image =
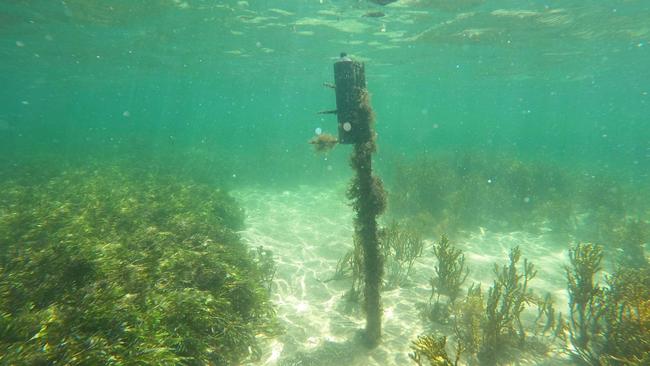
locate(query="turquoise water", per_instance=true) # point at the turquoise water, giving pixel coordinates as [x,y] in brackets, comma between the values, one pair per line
[565,81]
[226,93]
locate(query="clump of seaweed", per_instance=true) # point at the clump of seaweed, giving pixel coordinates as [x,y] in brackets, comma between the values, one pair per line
[450,274]
[128,268]
[585,294]
[344,267]
[546,321]
[400,247]
[468,319]
[487,327]
[429,350]
[323,142]
[450,191]
[630,240]
[608,325]
[353,262]
[627,317]
[266,266]
[506,299]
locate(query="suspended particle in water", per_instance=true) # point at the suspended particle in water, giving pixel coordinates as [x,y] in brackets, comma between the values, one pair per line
[318,130]
[347,126]
[526,199]
[20,44]
[126,114]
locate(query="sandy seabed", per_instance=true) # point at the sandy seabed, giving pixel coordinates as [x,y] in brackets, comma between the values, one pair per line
[309,229]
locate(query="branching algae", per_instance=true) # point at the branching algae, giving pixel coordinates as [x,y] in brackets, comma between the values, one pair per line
[450,274]
[608,325]
[400,247]
[506,299]
[585,310]
[430,351]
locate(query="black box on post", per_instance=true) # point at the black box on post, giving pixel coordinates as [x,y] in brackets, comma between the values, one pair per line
[350,84]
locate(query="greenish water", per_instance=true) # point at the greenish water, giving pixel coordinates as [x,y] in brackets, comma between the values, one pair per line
[242,80]
[547,101]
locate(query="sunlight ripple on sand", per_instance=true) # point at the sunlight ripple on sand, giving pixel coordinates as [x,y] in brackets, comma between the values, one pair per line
[310,228]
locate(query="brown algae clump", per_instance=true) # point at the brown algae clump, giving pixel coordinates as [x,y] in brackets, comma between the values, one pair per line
[323,142]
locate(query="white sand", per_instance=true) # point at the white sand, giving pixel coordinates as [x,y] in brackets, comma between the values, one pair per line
[309,229]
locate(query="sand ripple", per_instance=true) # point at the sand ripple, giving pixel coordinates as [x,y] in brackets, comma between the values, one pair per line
[309,229]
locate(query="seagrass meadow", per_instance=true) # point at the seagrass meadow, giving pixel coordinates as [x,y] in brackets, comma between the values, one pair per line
[325,182]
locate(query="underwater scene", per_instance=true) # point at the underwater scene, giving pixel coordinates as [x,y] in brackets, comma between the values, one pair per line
[325,182]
